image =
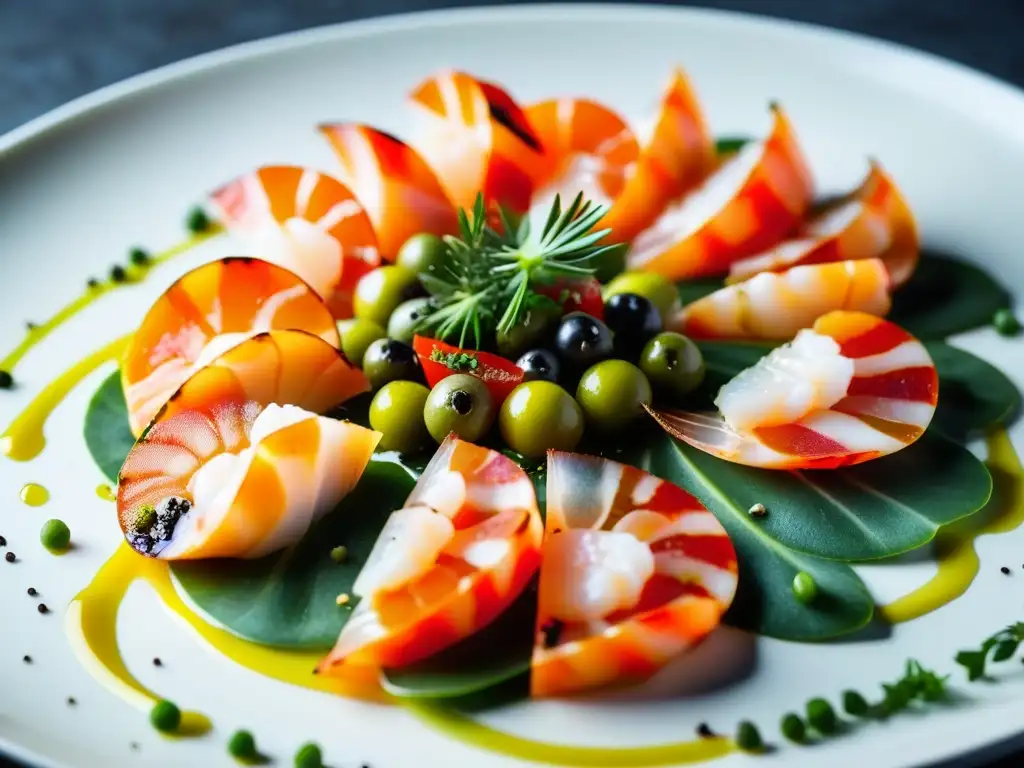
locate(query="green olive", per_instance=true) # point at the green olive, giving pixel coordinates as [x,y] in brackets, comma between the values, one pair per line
[420,253]
[390,360]
[531,330]
[461,404]
[661,293]
[381,290]
[539,416]
[612,394]
[673,364]
[397,413]
[406,317]
[356,337]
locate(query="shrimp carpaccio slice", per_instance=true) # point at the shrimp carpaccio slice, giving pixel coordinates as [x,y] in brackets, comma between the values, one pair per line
[477,140]
[393,183]
[305,221]
[776,305]
[460,551]
[750,203]
[588,148]
[635,571]
[874,221]
[238,463]
[851,389]
[205,312]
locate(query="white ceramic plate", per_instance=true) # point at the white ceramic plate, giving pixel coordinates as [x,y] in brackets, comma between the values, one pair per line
[78,186]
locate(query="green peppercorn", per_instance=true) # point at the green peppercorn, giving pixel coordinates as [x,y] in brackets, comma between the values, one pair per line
[165,716]
[793,728]
[309,756]
[748,738]
[854,704]
[242,746]
[805,588]
[118,273]
[1006,323]
[197,221]
[821,716]
[55,535]
[138,257]
[339,554]
[6,380]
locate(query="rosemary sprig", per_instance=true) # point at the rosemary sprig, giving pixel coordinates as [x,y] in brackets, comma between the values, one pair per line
[487,280]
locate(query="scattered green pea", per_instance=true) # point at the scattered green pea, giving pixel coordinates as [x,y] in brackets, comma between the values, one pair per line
[55,535]
[821,716]
[309,756]
[242,746]
[1006,323]
[748,738]
[138,257]
[339,554]
[197,221]
[165,716]
[793,728]
[6,380]
[805,588]
[118,273]
[854,704]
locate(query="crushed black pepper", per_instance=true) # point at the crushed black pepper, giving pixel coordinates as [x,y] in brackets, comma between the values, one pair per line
[3,541]
[6,380]
[27,659]
[134,745]
[1004,570]
[10,557]
[92,282]
[72,701]
[704,731]
[32,592]
[157,662]
[42,608]
[30,326]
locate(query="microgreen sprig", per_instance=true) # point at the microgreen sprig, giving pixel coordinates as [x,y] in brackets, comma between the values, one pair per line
[1002,646]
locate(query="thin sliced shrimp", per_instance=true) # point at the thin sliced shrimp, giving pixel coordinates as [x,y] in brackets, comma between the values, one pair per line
[873,221]
[238,463]
[459,553]
[393,183]
[477,140]
[676,156]
[749,204]
[635,572]
[776,305]
[852,389]
[305,221]
[205,312]
[588,148]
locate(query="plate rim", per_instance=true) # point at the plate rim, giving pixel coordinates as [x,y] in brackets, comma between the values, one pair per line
[987,87]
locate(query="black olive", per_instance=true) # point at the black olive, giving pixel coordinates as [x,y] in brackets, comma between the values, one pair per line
[582,340]
[634,320]
[539,365]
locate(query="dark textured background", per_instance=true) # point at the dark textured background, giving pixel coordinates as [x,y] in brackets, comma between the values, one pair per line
[54,50]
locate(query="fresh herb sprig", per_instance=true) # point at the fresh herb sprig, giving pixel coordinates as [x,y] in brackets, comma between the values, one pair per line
[1002,646]
[487,279]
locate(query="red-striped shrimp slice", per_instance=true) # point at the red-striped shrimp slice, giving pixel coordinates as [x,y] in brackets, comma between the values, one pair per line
[458,553]
[776,305]
[750,203]
[676,155]
[874,221]
[305,221]
[393,183]
[476,139]
[588,148]
[853,388]
[206,312]
[635,572]
[238,463]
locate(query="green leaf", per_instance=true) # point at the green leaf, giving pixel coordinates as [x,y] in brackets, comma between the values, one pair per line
[107,434]
[973,662]
[974,396]
[1005,649]
[765,602]
[288,598]
[495,655]
[728,145]
[698,288]
[945,296]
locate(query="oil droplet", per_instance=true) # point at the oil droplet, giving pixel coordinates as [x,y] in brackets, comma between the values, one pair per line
[105,492]
[34,494]
[958,562]
[24,440]
[134,274]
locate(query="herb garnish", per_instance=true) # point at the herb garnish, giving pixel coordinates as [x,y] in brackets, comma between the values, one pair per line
[1003,645]
[456,361]
[486,280]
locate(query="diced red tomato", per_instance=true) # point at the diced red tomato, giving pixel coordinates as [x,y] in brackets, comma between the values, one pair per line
[583,295]
[500,375]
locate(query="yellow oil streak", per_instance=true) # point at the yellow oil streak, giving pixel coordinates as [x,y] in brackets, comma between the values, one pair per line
[34,494]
